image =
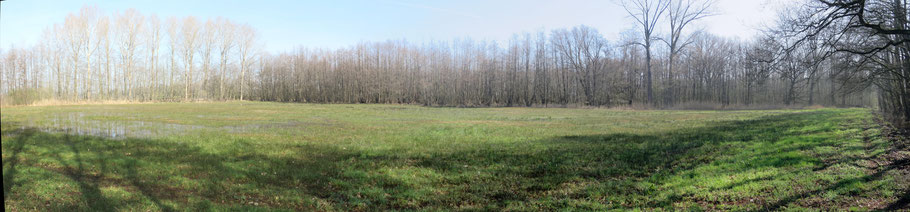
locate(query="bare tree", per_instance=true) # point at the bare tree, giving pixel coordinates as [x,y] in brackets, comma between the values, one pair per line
[630,62]
[189,37]
[173,31]
[107,55]
[247,49]
[226,34]
[96,32]
[207,44]
[53,39]
[129,28]
[759,63]
[153,40]
[680,14]
[584,49]
[876,30]
[76,42]
[647,14]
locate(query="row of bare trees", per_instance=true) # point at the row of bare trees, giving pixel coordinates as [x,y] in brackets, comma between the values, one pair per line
[574,66]
[130,56]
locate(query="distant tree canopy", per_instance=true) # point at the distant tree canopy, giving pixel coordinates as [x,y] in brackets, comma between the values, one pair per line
[130,56]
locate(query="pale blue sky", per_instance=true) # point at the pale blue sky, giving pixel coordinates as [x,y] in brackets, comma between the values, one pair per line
[283,25]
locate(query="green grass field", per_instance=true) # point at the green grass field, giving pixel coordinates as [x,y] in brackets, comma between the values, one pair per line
[276,156]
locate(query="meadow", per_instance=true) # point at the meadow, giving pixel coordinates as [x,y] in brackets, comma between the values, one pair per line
[349,157]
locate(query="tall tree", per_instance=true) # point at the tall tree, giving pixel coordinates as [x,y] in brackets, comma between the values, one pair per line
[129,27]
[680,14]
[207,43]
[584,49]
[647,14]
[153,40]
[173,32]
[246,46]
[76,41]
[189,37]
[226,34]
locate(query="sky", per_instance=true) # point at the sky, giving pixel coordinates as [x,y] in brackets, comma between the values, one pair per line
[286,24]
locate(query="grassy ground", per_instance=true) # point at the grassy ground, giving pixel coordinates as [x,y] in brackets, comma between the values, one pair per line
[267,156]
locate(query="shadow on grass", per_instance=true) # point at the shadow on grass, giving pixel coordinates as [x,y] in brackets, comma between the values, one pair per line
[628,158]
[902,203]
[157,171]
[627,168]
[877,175]
[9,164]
[631,169]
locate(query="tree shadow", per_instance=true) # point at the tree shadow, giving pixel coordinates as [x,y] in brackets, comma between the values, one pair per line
[901,204]
[636,165]
[877,175]
[9,164]
[153,169]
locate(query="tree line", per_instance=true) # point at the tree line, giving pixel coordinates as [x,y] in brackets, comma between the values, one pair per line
[130,56]
[661,64]
[574,66]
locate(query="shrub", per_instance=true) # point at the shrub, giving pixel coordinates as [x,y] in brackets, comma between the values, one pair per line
[24,96]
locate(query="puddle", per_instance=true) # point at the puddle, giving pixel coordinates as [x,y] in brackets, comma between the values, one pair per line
[80,124]
[127,126]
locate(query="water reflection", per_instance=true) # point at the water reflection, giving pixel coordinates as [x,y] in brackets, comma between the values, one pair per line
[82,124]
[122,125]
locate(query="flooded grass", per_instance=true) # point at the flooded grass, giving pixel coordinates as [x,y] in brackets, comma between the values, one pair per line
[273,156]
[79,124]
